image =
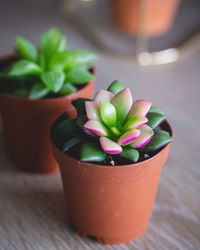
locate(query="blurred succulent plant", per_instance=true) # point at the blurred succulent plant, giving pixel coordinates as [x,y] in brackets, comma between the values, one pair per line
[50,69]
[115,124]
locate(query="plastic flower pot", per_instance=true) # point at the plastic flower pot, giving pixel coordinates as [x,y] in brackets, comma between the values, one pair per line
[154,17]
[111,203]
[26,124]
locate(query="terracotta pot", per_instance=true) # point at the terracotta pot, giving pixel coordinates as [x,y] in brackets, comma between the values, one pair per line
[111,203]
[156,15]
[26,124]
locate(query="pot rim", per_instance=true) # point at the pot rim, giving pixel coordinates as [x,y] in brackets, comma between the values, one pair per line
[47,100]
[137,164]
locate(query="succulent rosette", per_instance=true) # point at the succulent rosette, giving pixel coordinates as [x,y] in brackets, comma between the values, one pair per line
[113,124]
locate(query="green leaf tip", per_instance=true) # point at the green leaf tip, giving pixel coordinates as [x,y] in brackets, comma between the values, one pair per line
[160,139]
[115,87]
[51,42]
[53,80]
[67,89]
[91,152]
[38,90]
[130,154]
[79,75]
[108,114]
[70,143]
[24,67]
[154,119]
[68,127]
[26,49]
[156,110]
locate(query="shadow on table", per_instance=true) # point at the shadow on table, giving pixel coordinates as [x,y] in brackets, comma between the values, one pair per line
[6,164]
[35,203]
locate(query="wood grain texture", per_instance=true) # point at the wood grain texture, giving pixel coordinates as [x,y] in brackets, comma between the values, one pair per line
[33,213]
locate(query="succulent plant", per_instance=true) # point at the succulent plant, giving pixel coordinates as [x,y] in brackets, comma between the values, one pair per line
[114,125]
[51,69]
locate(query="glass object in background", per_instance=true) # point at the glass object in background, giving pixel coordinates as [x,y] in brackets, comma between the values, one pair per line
[147,18]
[178,31]
[156,15]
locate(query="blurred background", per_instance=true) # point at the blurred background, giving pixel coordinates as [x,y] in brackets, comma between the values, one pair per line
[110,26]
[126,34]
[119,30]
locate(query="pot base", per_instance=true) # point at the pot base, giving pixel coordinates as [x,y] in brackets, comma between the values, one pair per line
[38,170]
[114,240]
[35,168]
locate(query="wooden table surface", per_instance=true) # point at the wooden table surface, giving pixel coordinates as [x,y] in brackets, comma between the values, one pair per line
[32,207]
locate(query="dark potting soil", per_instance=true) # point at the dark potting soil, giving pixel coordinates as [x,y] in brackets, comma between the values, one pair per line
[114,160]
[59,141]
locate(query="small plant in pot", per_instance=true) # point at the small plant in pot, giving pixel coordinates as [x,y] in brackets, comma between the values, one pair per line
[37,86]
[110,159]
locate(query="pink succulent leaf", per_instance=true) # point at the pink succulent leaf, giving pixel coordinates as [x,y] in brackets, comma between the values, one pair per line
[92,110]
[134,122]
[145,136]
[110,146]
[129,137]
[122,102]
[96,128]
[108,114]
[139,107]
[103,96]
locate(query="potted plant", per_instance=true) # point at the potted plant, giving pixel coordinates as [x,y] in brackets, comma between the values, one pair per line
[150,17]
[36,86]
[110,159]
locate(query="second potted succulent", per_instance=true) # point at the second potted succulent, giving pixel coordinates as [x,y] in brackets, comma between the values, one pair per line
[110,159]
[36,86]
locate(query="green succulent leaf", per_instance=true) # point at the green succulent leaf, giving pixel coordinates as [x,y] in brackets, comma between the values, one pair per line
[70,143]
[51,42]
[38,90]
[81,120]
[79,104]
[58,61]
[122,102]
[42,61]
[91,152]
[108,114]
[63,44]
[154,119]
[69,128]
[53,80]
[79,75]
[115,87]
[130,154]
[67,89]
[26,49]
[79,57]
[160,138]
[25,67]
[115,131]
[156,110]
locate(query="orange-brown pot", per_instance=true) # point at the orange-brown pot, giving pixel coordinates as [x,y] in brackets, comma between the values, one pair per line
[111,203]
[154,17]
[26,125]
